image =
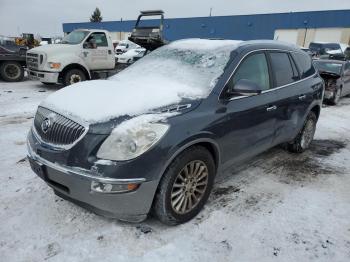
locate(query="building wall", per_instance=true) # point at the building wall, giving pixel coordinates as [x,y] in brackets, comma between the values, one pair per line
[243,27]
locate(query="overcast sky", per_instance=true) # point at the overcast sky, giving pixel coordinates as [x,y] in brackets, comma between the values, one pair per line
[45,17]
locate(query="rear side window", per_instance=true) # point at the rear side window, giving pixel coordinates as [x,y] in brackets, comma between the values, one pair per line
[255,69]
[283,68]
[304,64]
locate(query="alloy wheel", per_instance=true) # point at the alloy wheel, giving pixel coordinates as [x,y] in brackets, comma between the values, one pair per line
[189,187]
[308,133]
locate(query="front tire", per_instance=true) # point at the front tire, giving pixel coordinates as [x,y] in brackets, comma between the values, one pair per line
[185,186]
[306,135]
[12,71]
[73,76]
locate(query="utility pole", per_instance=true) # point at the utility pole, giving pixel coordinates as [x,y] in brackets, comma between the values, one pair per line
[211,9]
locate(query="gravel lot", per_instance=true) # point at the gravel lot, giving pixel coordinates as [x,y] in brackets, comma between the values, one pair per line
[277,207]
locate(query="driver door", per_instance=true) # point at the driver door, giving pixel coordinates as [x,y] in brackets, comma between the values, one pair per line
[250,120]
[97,54]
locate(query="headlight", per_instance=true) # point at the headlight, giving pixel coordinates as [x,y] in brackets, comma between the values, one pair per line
[125,143]
[54,65]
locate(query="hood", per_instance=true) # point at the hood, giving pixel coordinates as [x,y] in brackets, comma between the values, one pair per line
[54,48]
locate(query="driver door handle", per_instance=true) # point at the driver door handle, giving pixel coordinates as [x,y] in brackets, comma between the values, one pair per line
[302,97]
[271,108]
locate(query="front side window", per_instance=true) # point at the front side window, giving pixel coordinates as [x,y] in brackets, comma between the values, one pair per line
[283,68]
[255,69]
[99,38]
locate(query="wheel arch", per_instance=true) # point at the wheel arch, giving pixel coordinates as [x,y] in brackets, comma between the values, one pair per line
[207,143]
[75,66]
[317,110]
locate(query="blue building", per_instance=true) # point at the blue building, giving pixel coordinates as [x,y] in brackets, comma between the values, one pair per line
[297,27]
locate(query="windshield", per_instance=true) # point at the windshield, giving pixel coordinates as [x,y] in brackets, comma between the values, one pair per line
[194,63]
[75,37]
[328,67]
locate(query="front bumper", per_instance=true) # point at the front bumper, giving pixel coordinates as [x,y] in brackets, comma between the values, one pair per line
[74,184]
[46,77]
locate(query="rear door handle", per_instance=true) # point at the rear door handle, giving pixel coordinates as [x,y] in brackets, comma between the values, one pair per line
[302,97]
[109,52]
[271,108]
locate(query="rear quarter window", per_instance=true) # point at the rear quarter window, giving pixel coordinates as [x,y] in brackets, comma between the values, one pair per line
[304,64]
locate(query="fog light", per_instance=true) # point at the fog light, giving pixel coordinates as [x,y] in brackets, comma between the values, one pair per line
[112,188]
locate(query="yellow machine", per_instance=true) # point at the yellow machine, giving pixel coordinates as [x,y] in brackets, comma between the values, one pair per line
[27,40]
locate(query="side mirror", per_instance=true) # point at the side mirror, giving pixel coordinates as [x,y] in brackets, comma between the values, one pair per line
[245,87]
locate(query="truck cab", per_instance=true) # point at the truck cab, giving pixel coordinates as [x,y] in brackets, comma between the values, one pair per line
[80,55]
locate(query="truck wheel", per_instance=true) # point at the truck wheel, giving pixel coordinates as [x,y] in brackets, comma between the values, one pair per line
[306,135]
[185,186]
[73,76]
[12,71]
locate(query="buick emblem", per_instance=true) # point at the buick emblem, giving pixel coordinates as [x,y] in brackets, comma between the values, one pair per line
[45,125]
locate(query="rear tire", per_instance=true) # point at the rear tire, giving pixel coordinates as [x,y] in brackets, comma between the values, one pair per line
[304,138]
[185,186]
[12,71]
[73,76]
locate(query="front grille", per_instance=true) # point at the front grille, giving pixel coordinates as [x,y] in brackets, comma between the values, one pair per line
[32,61]
[55,128]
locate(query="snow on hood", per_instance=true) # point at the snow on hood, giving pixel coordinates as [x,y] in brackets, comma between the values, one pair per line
[185,69]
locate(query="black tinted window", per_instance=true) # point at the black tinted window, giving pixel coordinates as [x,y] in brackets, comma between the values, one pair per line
[304,64]
[255,69]
[282,68]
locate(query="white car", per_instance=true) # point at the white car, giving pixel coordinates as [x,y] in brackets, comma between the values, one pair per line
[125,45]
[130,56]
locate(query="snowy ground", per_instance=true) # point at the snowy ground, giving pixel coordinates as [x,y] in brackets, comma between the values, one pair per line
[277,207]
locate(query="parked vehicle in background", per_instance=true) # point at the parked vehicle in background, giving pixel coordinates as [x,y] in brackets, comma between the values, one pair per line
[11,46]
[307,50]
[149,34]
[155,136]
[124,46]
[321,48]
[83,54]
[336,75]
[131,56]
[12,60]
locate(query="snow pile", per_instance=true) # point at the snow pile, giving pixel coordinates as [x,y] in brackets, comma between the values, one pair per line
[184,69]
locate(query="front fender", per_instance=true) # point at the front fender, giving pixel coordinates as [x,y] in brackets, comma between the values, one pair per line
[68,60]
